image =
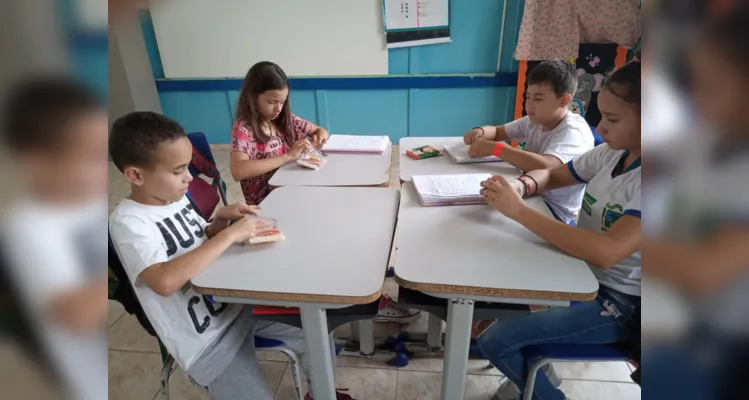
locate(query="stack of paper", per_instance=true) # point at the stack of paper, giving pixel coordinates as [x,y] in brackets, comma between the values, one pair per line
[356,144]
[459,154]
[444,190]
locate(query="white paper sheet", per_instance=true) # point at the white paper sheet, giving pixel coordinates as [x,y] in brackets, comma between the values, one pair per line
[356,144]
[459,154]
[449,187]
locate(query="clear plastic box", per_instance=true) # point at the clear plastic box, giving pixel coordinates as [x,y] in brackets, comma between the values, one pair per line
[270,231]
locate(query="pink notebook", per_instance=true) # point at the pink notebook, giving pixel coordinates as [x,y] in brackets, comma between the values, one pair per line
[356,144]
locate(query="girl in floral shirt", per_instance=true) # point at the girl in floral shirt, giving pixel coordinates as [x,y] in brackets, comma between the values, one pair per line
[266,135]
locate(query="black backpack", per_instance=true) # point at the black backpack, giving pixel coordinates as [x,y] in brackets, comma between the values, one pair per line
[122,291]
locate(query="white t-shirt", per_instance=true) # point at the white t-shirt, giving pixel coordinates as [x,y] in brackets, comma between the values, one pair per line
[569,139]
[52,250]
[606,200]
[710,191]
[186,322]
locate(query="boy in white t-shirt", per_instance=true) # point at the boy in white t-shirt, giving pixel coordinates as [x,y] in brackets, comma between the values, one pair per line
[608,237]
[552,134]
[163,243]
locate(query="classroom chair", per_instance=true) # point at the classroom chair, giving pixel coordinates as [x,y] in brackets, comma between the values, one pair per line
[205,195]
[597,139]
[543,354]
[272,344]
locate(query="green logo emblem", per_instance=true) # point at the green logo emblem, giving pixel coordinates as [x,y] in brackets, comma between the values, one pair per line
[611,213]
[588,201]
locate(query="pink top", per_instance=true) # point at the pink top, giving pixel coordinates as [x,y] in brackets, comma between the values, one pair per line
[242,140]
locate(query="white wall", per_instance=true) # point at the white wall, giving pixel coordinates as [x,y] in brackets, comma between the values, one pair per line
[215,39]
[131,83]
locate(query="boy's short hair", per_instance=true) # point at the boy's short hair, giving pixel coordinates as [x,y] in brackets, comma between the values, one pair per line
[36,112]
[135,138]
[560,74]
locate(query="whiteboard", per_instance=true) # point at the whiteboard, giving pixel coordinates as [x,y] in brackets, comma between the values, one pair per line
[224,38]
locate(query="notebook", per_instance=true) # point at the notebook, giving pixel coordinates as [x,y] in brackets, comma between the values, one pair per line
[445,190]
[356,144]
[459,154]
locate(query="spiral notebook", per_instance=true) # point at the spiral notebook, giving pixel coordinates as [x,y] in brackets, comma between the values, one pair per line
[448,190]
[459,154]
[355,144]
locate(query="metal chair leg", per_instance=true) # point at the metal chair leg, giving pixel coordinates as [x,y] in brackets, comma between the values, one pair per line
[295,371]
[532,372]
[166,371]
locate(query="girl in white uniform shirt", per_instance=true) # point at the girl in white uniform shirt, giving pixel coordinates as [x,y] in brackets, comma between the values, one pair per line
[608,237]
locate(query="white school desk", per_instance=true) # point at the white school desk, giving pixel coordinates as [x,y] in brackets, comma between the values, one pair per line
[340,170]
[444,164]
[333,257]
[474,253]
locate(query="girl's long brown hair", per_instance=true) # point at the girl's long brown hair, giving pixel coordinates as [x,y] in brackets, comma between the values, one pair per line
[262,77]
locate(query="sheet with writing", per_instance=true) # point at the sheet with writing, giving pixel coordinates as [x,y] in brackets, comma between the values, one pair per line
[450,186]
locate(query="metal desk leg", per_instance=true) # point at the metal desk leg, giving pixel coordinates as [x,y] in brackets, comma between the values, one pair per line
[457,342]
[434,332]
[315,324]
[365,332]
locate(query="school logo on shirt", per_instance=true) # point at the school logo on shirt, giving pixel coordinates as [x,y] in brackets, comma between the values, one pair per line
[611,213]
[588,201]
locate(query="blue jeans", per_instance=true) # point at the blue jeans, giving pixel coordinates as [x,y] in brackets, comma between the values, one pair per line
[607,319]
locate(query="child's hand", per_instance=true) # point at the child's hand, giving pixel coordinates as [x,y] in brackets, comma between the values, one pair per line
[481,148]
[472,136]
[503,195]
[245,228]
[236,211]
[298,148]
[319,139]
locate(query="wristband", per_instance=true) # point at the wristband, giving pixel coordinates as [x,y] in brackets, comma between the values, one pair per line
[535,184]
[497,151]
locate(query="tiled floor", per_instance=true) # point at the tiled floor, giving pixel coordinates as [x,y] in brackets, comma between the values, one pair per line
[134,362]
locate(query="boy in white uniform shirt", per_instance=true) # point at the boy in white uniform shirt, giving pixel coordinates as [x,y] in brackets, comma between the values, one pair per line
[552,134]
[163,243]
[608,237]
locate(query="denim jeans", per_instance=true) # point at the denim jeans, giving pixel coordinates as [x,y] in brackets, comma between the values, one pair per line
[607,319]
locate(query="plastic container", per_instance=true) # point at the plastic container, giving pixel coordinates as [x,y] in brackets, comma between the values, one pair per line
[269,233]
[313,159]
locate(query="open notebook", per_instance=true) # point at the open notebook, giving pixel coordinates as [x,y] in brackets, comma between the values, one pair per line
[459,154]
[446,190]
[356,144]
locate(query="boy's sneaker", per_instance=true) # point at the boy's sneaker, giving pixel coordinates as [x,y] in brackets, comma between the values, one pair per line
[392,311]
[338,395]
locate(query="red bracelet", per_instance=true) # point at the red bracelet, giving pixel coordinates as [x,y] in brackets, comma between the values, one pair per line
[497,151]
[529,193]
